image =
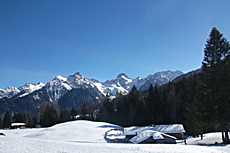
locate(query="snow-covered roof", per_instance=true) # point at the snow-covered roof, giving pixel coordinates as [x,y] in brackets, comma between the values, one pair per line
[171,128]
[136,130]
[115,134]
[145,135]
[17,124]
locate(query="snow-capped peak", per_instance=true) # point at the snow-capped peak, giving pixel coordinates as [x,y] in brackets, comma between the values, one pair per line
[160,78]
[29,87]
[166,75]
[79,81]
[9,92]
[123,76]
[57,88]
[60,78]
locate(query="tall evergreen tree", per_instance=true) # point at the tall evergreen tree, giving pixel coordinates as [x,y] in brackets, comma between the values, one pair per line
[194,125]
[49,117]
[216,49]
[7,120]
[84,111]
[157,106]
[1,123]
[133,98]
[72,113]
[172,100]
[149,116]
[18,118]
[214,97]
[106,112]
[121,114]
[64,115]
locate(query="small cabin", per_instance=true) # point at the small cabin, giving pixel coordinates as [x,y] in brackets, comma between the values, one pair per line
[18,125]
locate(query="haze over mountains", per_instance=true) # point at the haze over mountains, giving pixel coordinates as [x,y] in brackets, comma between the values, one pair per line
[72,90]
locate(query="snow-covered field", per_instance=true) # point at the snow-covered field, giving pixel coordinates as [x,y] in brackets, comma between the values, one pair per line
[88,137]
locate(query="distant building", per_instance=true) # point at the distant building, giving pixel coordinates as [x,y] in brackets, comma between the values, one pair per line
[18,125]
[148,134]
[154,134]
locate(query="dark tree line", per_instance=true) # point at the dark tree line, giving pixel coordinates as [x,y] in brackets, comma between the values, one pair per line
[17,118]
[49,115]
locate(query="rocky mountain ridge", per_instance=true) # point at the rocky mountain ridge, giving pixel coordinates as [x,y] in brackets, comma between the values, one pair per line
[73,90]
[57,87]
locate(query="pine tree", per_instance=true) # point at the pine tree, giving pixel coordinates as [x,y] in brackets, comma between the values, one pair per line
[194,125]
[7,120]
[121,114]
[15,117]
[72,113]
[157,106]
[214,89]
[1,123]
[84,111]
[133,97]
[106,112]
[64,115]
[216,49]
[172,100]
[18,118]
[49,117]
[32,122]
[149,116]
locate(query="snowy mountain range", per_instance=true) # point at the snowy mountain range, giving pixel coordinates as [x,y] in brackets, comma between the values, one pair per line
[57,87]
[72,90]
[21,91]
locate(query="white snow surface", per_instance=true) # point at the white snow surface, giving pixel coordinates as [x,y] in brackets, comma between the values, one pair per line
[170,128]
[88,137]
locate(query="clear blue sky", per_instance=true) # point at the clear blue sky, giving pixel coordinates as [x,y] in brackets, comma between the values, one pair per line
[40,39]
